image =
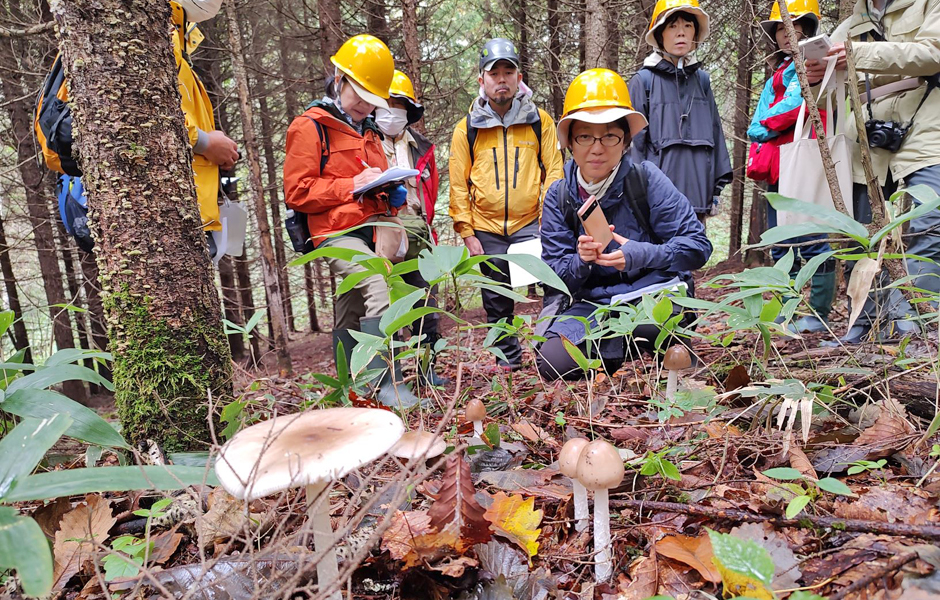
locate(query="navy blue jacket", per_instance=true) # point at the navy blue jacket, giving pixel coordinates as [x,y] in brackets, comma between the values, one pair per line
[685,246]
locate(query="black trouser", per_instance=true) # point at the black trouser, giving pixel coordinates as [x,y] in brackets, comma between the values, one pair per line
[428,324]
[497,306]
[554,362]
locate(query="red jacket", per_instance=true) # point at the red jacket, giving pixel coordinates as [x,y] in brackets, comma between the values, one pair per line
[326,198]
[429,182]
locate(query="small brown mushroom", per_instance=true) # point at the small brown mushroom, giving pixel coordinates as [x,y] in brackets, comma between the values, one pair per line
[475,413]
[568,465]
[599,469]
[677,358]
[419,444]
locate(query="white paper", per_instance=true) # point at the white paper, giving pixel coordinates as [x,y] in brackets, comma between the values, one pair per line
[675,284]
[816,48]
[392,175]
[519,277]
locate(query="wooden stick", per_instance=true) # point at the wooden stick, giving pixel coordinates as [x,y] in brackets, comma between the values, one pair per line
[926,532]
[890,567]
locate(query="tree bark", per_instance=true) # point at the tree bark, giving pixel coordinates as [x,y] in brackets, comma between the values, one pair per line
[256,191]
[247,301]
[582,36]
[311,299]
[18,331]
[554,61]
[99,333]
[236,341]
[742,106]
[275,202]
[757,224]
[613,40]
[412,45]
[39,217]
[521,40]
[845,9]
[595,34]
[170,352]
[331,32]
[375,17]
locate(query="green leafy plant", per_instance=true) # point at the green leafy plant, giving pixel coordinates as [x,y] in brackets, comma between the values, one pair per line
[656,463]
[808,491]
[686,401]
[860,466]
[130,553]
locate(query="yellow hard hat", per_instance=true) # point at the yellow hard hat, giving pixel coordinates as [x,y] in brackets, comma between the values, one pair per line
[403,88]
[798,9]
[368,63]
[665,8]
[598,96]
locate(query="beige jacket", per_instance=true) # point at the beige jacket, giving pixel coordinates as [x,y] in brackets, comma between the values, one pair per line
[911,49]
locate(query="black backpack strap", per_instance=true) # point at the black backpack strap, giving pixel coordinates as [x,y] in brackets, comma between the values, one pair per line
[324,144]
[537,129]
[637,186]
[471,138]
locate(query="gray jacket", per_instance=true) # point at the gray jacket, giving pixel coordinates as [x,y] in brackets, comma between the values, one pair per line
[684,137]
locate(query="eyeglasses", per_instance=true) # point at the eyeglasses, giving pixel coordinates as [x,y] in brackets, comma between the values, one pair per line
[610,140]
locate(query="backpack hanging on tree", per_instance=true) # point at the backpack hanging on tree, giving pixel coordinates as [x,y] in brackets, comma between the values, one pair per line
[53,122]
[73,210]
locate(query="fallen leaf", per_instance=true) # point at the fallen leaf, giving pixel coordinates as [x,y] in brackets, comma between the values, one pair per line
[164,546]
[644,579]
[398,539]
[226,519]
[718,430]
[432,547]
[746,568]
[456,505]
[890,433]
[454,566]
[518,479]
[80,531]
[863,274]
[49,516]
[693,551]
[737,378]
[800,462]
[889,504]
[516,519]
[533,433]
[785,562]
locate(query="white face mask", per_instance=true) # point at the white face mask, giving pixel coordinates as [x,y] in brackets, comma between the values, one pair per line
[391,121]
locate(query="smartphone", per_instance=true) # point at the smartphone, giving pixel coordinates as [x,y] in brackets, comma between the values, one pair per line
[816,48]
[595,223]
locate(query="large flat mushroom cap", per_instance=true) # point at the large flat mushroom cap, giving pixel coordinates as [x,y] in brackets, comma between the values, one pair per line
[301,449]
[414,444]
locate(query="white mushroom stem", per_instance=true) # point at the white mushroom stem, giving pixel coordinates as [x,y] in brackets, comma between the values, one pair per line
[672,384]
[319,515]
[478,429]
[580,506]
[603,566]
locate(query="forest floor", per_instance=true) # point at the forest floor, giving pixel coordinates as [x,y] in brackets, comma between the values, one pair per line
[858,480]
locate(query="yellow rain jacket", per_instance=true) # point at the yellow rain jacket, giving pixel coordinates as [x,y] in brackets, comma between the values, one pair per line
[503,189]
[197,108]
[911,49]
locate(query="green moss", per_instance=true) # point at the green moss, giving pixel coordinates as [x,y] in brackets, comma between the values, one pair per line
[162,374]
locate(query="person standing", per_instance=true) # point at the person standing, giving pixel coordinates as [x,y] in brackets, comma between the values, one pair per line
[772,126]
[504,155]
[672,90]
[405,147]
[896,48]
[332,149]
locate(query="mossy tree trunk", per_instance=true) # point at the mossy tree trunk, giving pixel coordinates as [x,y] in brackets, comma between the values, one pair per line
[164,318]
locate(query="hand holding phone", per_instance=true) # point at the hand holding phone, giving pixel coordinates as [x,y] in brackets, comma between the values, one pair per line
[595,223]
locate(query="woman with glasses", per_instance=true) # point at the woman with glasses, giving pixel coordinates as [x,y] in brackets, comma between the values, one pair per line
[674,93]
[657,240]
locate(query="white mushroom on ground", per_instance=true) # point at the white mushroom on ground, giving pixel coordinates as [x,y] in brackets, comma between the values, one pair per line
[310,449]
[419,444]
[568,465]
[599,469]
[677,358]
[475,413]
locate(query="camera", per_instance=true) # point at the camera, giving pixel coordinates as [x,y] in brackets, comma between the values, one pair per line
[885,134]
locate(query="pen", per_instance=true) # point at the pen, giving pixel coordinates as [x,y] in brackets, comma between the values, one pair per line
[362,162]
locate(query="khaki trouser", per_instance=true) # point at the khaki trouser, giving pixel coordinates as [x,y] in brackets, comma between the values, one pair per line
[370,296]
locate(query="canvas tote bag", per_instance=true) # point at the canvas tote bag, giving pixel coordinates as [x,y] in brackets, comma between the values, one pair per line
[802,175]
[391,242]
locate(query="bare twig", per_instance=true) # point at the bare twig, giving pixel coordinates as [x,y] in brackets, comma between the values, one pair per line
[27,31]
[889,567]
[926,532]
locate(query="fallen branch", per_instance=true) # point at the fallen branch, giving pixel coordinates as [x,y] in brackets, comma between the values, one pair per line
[925,532]
[27,31]
[890,567]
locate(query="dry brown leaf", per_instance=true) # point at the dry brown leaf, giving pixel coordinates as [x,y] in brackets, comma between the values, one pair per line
[737,378]
[644,579]
[225,519]
[890,433]
[717,430]
[455,566]
[786,571]
[456,505]
[890,504]
[800,462]
[432,547]
[516,519]
[399,538]
[81,530]
[49,516]
[863,274]
[693,551]
[164,546]
[533,433]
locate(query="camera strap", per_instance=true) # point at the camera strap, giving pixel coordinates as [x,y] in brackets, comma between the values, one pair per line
[932,82]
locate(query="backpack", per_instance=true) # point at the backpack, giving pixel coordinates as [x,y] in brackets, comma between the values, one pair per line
[73,210]
[53,123]
[536,127]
